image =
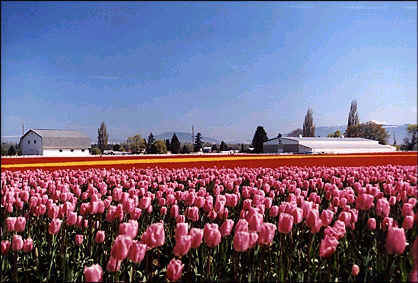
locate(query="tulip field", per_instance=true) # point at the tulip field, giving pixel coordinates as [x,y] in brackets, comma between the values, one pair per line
[288,223]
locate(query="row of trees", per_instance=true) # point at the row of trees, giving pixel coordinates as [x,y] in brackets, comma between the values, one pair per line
[137,144]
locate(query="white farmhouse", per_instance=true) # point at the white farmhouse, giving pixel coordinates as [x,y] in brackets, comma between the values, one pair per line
[324,145]
[48,142]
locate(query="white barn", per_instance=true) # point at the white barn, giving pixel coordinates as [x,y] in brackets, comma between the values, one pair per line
[48,142]
[324,145]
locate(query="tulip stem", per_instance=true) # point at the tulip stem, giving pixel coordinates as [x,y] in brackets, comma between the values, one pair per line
[52,257]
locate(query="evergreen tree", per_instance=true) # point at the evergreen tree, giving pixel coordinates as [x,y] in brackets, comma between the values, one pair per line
[353,121]
[11,151]
[259,138]
[242,148]
[102,137]
[308,124]
[223,146]
[167,144]
[185,149]
[214,148]
[175,144]
[150,142]
[198,142]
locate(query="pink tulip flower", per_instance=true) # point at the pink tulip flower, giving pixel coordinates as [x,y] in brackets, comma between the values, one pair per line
[79,239]
[212,235]
[5,246]
[120,247]
[174,270]
[10,223]
[395,240]
[17,243]
[226,227]
[93,273]
[371,223]
[100,236]
[54,226]
[113,264]
[27,245]
[241,241]
[197,236]
[137,252]
[183,245]
[355,269]
[267,233]
[328,246]
[285,224]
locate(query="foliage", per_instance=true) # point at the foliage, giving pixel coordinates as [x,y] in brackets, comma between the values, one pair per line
[260,136]
[214,148]
[175,144]
[295,133]
[198,143]
[185,149]
[410,142]
[159,147]
[102,137]
[167,144]
[135,144]
[223,146]
[11,151]
[336,134]
[308,124]
[369,130]
[150,142]
[95,151]
[116,147]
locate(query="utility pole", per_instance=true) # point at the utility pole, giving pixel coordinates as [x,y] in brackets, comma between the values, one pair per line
[23,129]
[192,135]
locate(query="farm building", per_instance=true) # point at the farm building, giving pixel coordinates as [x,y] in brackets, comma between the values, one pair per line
[49,142]
[323,145]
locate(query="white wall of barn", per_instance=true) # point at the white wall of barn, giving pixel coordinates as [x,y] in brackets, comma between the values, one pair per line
[31,144]
[66,152]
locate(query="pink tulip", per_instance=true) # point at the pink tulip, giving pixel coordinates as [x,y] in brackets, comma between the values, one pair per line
[120,247]
[355,269]
[192,213]
[54,226]
[154,236]
[382,207]
[371,223]
[182,229]
[100,236]
[79,239]
[242,225]
[183,245]
[20,224]
[27,245]
[241,241]
[255,221]
[408,222]
[267,233]
[197,236]
[314,221]
[113,264]
[129,228]
[93,273]
[395,240]
[5,246]
[144,203]
[17,243]
[71,218]
[274,211]
[137,252]
[253,239]
[226,227]
[212,235]
[327,216]
[174,270]
[10,223]
[328,246]
[285,224]
[407,209]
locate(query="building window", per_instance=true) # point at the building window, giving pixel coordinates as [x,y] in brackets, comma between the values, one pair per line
[34,141]
[28,142]
[60,150]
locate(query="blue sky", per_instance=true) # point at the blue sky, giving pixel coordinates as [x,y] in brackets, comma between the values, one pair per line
[223,67]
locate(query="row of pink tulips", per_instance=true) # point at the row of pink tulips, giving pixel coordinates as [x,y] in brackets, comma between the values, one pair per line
[149,223]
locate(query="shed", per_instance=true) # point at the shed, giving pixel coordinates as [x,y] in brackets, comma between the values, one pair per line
[53,142]
[324,145]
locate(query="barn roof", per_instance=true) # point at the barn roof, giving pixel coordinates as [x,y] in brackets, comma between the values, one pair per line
[53,138]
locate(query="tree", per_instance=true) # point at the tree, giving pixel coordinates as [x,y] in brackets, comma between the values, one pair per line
[223,146]
[353,121]
[260,136]
[116,147]
[295,133]
[102,137]
[150,142]
[175,144]
[242,148]
[185,149]
[308,124]
[336,134]
[198,143]
[95,151]
[167,144]
[214,148]
[159,147]
[370,130]
[410,142]
[11,151]
[135,144]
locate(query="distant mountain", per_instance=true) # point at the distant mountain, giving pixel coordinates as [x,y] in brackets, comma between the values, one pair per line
[398,131]
[184,137]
